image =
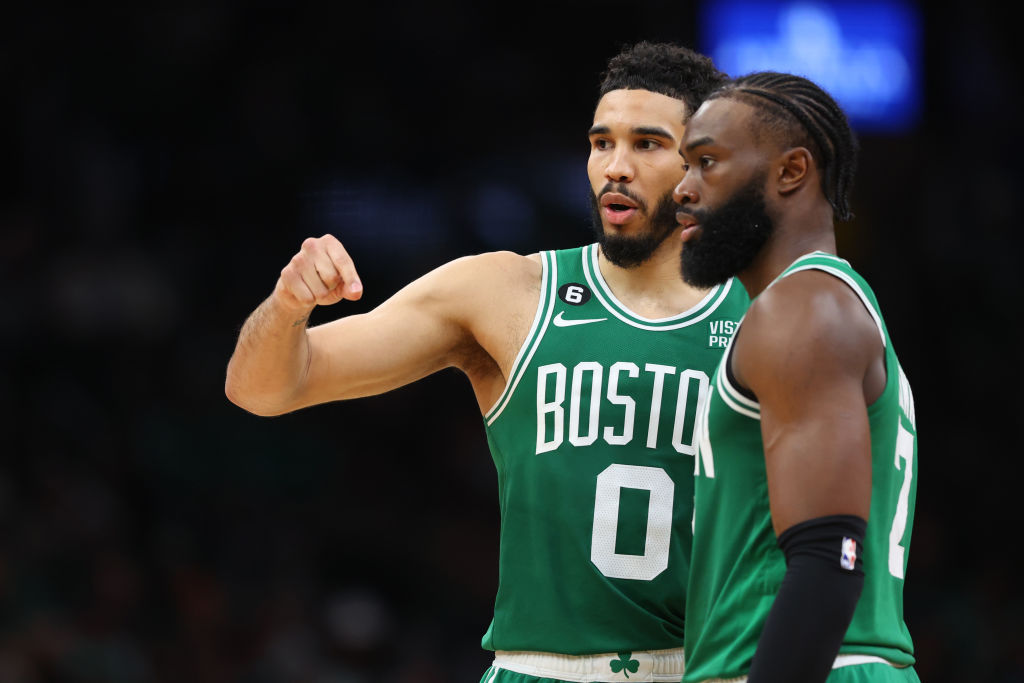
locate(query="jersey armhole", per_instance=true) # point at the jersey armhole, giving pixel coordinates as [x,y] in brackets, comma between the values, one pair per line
[734,384]
[545,306]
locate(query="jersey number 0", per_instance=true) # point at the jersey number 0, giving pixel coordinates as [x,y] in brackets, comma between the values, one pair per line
[606,522]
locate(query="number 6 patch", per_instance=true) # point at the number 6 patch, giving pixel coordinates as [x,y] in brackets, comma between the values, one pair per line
[574,294]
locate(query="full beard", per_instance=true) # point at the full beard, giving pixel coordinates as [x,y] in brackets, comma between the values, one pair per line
[628,251]
[730,238]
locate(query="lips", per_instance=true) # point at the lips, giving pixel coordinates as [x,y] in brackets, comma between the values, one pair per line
[618,208]
[617,199]
[689,224]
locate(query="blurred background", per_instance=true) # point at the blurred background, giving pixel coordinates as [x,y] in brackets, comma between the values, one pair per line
[163,163]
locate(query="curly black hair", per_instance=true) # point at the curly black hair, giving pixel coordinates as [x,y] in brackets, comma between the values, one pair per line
[800,113]
[663,68]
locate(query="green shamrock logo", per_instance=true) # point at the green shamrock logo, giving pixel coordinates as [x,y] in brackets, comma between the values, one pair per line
[625,663]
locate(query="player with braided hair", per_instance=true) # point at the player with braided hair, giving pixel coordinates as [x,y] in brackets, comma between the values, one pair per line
[806,472]
[809,117]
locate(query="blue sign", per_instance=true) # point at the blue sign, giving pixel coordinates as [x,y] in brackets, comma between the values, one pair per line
[865,54]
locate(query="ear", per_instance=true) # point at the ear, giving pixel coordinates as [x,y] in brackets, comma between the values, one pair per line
[794,169]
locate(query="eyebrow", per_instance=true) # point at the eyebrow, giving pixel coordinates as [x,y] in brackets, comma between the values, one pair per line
[655,131]
[706,140]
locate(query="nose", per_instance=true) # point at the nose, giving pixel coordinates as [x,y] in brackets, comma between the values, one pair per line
[684,192]
[620,168]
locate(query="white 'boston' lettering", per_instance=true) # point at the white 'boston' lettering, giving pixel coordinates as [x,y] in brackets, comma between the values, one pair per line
[614,398]
[659,383]
[587,397]
[685,379]
[553,407]
[594,412]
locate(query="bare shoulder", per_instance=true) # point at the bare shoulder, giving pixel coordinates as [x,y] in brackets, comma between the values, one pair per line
[490,295]
[805,322]
[497,294]
[488,283]
[500,285]
[508,267]
[456,289]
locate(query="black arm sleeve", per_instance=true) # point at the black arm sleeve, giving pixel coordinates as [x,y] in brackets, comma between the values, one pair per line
[815,602]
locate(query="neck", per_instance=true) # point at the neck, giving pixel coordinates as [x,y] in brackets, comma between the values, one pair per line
[655,288]
[793,237]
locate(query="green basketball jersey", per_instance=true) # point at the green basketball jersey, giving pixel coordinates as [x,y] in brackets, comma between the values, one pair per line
[593,440]
[737,567]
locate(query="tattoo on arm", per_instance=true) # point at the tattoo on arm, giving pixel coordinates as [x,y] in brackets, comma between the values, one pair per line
[300,321]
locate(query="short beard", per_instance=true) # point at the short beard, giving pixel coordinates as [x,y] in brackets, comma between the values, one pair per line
[730,237]
[628,251]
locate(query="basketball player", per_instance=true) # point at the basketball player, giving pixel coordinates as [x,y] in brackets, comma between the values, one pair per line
[588,366]
[807,468]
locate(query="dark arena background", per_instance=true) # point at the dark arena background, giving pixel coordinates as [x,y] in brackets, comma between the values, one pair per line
[162,165]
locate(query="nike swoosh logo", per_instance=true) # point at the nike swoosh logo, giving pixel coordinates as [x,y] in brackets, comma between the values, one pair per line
[562,322]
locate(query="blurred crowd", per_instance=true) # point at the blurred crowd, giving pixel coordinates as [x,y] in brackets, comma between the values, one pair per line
[165,163]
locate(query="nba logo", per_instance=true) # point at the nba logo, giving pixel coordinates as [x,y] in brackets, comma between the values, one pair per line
[849,557]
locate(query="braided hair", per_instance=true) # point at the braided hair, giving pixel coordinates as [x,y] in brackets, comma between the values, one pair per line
[663,68]
[802,114]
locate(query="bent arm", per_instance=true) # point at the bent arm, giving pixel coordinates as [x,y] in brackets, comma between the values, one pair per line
[271,359]
[448,317]
[807,355]
[280,366]
[423,328]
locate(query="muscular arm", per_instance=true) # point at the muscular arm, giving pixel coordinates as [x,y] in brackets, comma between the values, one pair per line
[453,316]
[813,356]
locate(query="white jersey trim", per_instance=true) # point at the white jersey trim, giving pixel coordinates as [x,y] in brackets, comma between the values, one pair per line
[853,660]
[746,406]
[592,271]
[656,666]
[548,282]
[733,398]
[854,286]
[729,393]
